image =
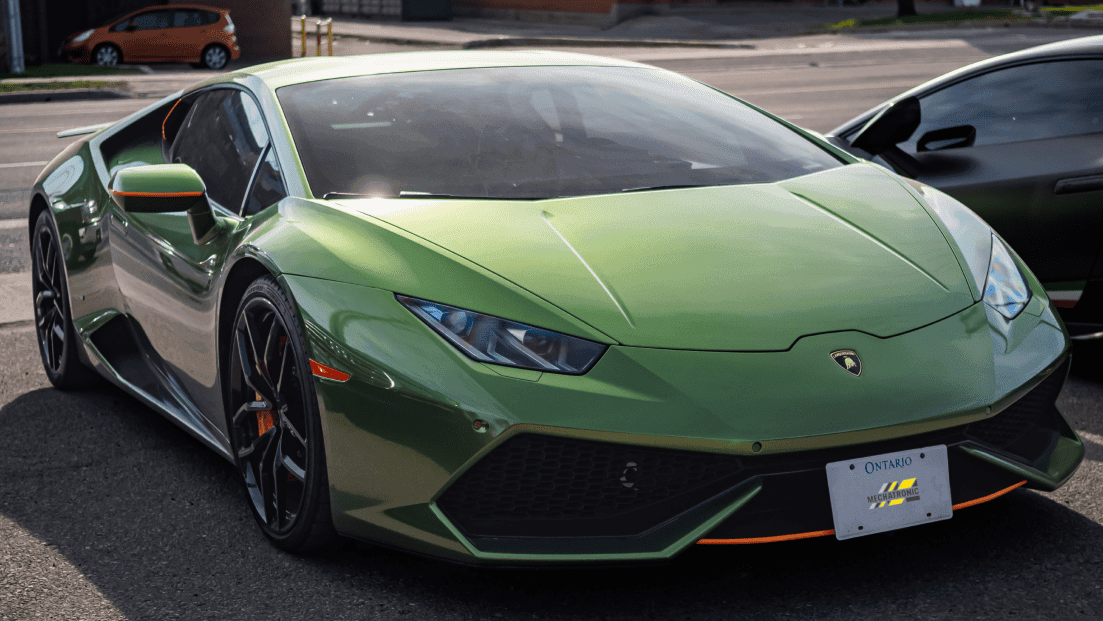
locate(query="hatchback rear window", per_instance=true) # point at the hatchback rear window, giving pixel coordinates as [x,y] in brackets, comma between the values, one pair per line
[534,132]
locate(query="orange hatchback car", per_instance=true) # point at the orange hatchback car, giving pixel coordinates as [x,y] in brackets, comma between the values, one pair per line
[200,35]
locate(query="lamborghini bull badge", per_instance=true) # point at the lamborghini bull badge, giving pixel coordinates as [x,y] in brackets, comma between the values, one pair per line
[848,360]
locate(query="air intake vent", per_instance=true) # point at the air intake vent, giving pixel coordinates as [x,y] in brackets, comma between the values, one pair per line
[543,486]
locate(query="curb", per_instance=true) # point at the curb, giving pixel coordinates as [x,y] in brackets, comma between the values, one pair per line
[583,42]
[76,94]
[509,41]
[1063,25]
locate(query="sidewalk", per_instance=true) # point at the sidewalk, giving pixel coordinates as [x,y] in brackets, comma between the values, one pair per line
[725,25]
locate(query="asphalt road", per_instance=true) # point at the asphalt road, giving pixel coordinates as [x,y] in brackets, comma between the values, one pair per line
[108,511]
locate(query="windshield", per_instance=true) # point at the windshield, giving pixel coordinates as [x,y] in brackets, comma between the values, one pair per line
[534,132]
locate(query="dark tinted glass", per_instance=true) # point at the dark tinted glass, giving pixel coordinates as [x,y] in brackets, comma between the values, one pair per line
[153,20]
[209,17]
[222,139]
[187,19]
[268,188]
[1028,102]
[534,132]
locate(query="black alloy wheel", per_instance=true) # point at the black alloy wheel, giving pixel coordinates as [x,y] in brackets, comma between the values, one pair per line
[56,336]
[274,422]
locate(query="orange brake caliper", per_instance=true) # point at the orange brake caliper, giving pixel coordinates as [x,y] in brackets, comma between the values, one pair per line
[264,419]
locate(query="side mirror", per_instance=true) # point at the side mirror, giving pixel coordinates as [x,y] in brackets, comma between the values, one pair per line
[131,27]
[893,125]
[166,188]
[948,138]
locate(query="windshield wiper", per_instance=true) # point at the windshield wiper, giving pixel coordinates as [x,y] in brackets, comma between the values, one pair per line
[673,186]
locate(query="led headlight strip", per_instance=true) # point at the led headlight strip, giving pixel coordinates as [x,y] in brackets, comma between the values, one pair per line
[499,341]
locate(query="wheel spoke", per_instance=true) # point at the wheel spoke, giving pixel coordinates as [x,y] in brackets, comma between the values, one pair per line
[277,484]
[294,469]
[265,438]
[249,407]
[251,374]
[267,475]
[292,430]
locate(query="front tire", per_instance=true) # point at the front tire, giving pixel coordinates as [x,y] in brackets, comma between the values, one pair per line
[107,55]
[275,426]
[215,57]
[57,339]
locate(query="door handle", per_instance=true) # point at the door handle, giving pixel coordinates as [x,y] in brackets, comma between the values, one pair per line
[1079,184]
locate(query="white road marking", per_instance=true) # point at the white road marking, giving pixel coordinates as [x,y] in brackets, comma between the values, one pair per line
[31,130]
[23,164]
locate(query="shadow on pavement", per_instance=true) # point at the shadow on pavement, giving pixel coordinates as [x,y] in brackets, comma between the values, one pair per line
[158,524]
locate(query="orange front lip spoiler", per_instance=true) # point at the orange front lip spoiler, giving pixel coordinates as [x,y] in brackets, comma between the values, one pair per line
[825,533]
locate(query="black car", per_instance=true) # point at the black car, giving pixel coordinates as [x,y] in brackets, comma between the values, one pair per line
[1019,139]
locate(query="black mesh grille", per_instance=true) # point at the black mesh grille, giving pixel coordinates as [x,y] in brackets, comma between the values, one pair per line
[540,485]
[1033,410]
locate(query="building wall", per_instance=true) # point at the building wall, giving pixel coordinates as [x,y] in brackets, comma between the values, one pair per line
[590,12]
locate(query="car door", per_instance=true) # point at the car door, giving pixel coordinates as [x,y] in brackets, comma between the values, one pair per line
[146,36]
[185,38]
[167,280]
[1033,170]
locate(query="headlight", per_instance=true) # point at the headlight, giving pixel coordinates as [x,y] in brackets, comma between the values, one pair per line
[499,341]
[83,36]
[1006,289]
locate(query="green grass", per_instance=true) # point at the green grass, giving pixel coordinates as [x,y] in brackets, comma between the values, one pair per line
[64,71]
[1056,11]
[15,87]
[949,17]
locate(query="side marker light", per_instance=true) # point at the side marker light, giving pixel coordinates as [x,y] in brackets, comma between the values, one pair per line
[325,372]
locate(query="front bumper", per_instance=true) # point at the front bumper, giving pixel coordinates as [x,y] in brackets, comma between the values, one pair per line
[722,435]
[77,53]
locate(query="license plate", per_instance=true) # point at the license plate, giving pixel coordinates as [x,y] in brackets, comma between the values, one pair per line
[886,492]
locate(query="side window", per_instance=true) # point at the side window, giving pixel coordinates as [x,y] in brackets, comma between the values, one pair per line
[268,187]
[209,17]
[153,20]
[186,19]
[222,138]
[121,26]
[1027,102]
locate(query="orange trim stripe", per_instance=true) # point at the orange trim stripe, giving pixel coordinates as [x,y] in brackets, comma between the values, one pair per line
[815,533]
[824,533]
[163,136]
[322,370]
[970,503]
[158,194]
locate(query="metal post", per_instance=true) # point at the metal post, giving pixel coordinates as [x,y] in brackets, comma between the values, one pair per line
[302,34]
[15,38]
[318,43]
[329,33]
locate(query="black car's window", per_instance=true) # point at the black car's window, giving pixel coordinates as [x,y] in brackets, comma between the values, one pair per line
[268,186]
[186,19]
[153,20]
[1027,102]
[535,132]
[222,139]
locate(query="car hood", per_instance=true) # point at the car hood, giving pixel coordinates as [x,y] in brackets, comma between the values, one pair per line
[733,268]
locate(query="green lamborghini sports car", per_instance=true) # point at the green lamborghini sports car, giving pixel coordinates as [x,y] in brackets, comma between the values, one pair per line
[527,307]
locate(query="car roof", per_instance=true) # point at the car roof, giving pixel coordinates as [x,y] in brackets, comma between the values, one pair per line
[299,70]
[1087,46]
